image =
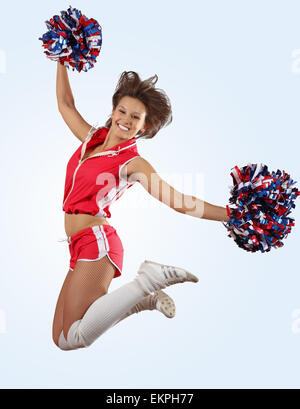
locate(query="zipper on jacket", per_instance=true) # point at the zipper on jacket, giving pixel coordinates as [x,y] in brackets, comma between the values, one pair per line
[88,138]
[109,153]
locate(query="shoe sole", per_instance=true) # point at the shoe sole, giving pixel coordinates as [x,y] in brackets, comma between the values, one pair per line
[190,276]
[167,305]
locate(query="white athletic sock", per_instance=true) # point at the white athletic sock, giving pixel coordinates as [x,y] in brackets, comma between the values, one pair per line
[105,312]
[148,303]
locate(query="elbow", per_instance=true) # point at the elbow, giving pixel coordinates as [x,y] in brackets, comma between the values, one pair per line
[62,105]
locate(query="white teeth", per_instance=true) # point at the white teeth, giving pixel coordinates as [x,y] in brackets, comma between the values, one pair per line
[123,127]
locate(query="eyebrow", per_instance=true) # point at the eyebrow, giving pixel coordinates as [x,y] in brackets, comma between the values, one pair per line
[133,112]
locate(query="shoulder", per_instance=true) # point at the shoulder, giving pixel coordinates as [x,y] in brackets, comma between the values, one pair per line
[136,167]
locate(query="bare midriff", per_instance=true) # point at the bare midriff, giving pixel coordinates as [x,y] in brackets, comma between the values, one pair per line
[74,223]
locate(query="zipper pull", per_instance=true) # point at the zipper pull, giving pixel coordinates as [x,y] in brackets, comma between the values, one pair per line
[115,153]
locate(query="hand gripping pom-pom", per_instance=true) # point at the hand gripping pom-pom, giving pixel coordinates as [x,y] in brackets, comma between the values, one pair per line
[73,40]
[263,200]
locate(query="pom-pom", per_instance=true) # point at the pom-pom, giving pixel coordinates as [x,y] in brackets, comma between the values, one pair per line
[73,40]
[263,200]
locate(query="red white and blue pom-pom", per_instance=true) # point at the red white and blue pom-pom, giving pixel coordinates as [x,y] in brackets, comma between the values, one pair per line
[73,40]
[263,200]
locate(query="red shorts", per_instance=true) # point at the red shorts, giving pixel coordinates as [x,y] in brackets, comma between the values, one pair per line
[96,242]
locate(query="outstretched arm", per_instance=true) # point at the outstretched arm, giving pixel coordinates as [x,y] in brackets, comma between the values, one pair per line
[140,170]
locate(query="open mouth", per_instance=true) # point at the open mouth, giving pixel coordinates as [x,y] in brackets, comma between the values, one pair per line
[123,128]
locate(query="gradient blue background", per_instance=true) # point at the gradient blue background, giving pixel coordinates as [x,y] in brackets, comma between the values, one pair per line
[232,72]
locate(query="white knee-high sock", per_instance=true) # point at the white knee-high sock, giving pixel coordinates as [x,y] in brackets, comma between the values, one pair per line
[106,311]
[148,303]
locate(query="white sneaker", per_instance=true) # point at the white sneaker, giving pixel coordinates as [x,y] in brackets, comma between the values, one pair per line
[165,304]
[159,301]
[158,276]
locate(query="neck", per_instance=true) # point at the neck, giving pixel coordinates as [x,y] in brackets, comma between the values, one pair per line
[112,140]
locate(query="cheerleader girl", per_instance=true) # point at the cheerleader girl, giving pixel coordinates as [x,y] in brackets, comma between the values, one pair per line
[106,163]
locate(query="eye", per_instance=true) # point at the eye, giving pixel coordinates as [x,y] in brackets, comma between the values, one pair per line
[123,112]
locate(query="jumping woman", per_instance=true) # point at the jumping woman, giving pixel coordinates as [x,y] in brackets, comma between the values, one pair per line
[101,169]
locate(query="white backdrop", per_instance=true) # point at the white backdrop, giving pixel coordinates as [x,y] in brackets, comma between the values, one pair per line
[232,72]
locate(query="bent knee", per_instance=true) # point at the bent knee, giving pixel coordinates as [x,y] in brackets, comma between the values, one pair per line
[63,346]
[55,340]
[60,342]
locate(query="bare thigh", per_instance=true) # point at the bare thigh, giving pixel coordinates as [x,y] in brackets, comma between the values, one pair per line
[89,281]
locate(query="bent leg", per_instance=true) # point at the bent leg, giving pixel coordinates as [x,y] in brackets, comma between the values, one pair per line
[89,311]
[90,280]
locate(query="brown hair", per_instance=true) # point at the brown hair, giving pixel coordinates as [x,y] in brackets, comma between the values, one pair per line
[157,103]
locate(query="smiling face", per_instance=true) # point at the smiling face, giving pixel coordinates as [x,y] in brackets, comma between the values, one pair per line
[128,118]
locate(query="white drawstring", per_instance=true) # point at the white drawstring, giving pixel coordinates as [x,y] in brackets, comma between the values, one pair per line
[67,239]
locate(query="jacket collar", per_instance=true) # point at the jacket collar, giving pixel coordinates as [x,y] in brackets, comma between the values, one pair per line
[100,135]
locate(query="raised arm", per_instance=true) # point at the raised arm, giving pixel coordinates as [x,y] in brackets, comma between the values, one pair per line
[140,170]
[66,105]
